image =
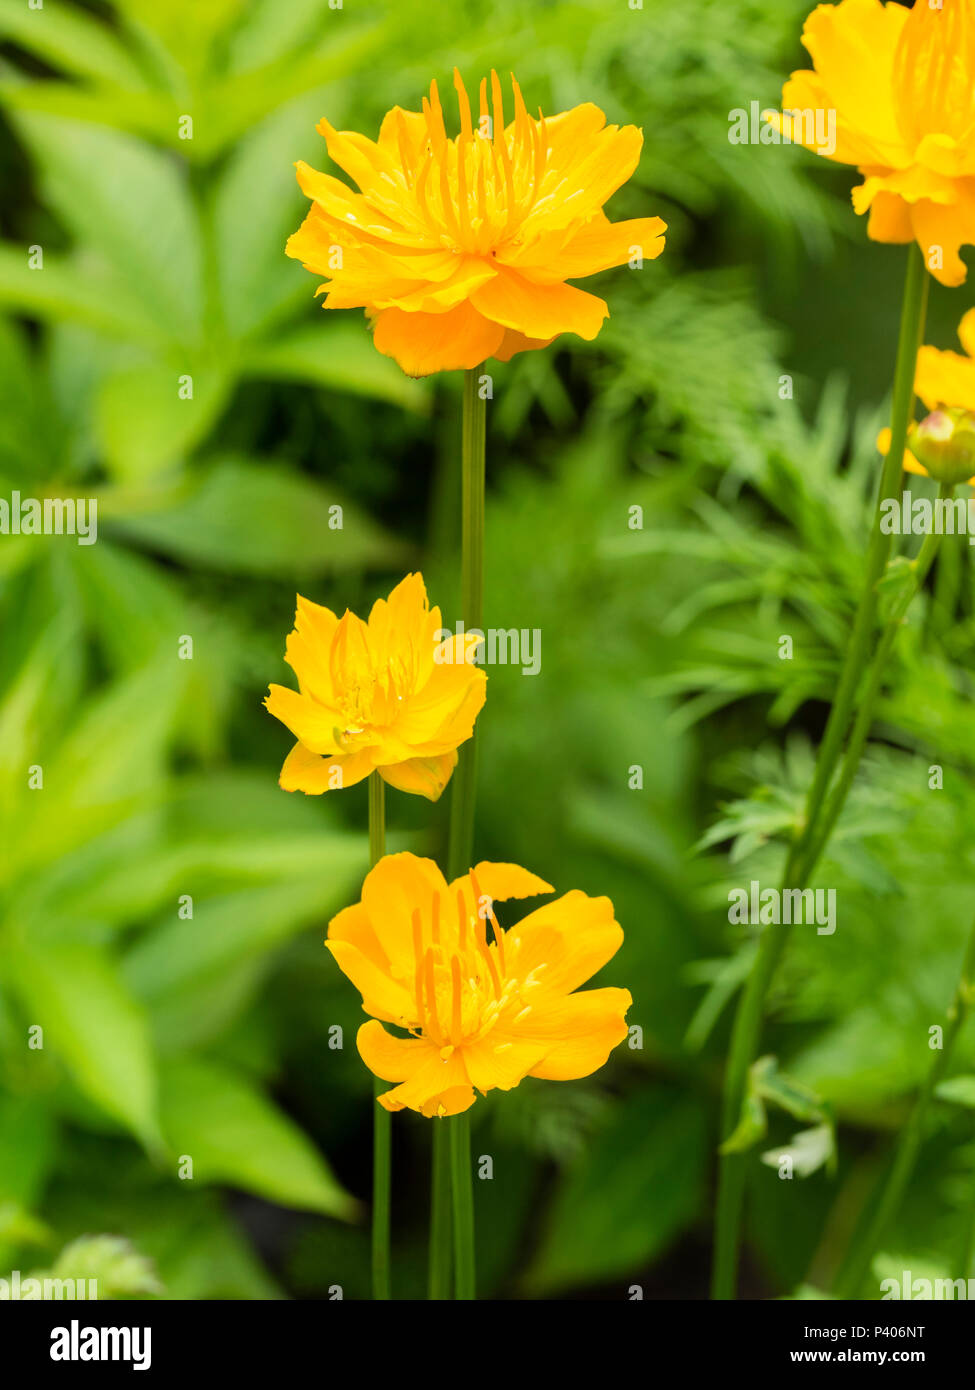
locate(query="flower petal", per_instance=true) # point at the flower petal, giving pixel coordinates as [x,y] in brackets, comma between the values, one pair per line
[424,343]
[581,1030]
[421,776]
[389,1058]
[539,311]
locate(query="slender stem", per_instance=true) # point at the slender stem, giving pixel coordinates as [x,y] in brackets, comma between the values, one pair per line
[464,792]
[441,1268]
[748,1016]
[868,701]
[913,316]
[857,1264]
[382,1120]
[459,1127]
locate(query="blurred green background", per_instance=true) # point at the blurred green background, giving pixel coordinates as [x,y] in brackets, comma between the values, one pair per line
[168,1035]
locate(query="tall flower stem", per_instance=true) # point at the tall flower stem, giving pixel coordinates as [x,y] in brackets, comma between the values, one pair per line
[446,1136]
[464,792]
[441,1266]
[463,1189]
[858,1261]
[748,1017]
[382,1120]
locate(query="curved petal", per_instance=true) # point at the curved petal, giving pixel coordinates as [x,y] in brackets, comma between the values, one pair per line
[382,996]
[437,1087]
[581,1030]
[317,726]
[539,311]
[421,776]
[393,889]
[424,343]
[389,1058]
[562,944]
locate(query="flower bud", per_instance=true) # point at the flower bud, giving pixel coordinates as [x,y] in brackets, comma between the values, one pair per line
[944,443]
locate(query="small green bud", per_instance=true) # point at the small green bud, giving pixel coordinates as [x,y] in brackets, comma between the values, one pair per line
[944,442]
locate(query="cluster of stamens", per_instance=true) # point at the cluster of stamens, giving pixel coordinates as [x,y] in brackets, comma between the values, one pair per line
[461,985]
[483,189]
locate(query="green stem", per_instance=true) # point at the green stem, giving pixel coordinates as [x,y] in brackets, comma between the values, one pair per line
[382,1120]
[464,792]
[857,1264]
[751,1005]
[868,701]
[459,1127]
[439,1286]
[913,316]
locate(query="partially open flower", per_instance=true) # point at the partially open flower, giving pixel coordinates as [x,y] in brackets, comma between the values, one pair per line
[460,249]
[482,1009]
[945,381]
[944,444]
[384,695]
[898,87]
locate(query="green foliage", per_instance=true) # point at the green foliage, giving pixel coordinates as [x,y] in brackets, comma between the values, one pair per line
[209,1035]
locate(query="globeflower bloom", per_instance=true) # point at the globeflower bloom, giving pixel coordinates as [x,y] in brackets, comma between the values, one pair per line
[385,695]
[902,86]
[481,1013]
[945,382]
[459,249]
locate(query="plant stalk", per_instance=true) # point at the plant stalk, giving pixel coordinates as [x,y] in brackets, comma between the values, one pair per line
[382,1120]
[747,1025]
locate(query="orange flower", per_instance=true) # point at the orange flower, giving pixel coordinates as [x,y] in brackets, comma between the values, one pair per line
[387,694]
[943,380]
[460,249]
[901,84]
[481,1013]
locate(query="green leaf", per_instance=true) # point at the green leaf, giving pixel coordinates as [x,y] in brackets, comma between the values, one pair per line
[649,1162]
[116,1266]
[236,1135]
[339,356]
[144,420]
[69,38]
[959,1090]
[808,1151]
[252,518]
[136,212]
[92,1022]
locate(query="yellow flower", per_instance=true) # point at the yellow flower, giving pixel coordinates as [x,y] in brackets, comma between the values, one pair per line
[387,694]
[902,86]
[459,249]
[482,1013]
[943,380]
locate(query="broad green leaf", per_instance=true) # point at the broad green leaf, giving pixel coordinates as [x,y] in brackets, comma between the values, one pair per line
[234,1134]
[94,1025]
[67,292]
[257,280]
[70,38]
[136,212]
[236,927]
[145,420]
[252,518]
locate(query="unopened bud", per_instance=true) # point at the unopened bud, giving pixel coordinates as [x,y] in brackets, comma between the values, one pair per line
[944,443]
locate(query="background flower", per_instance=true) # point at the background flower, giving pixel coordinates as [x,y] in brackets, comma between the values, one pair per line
[460,249]
[902,86]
